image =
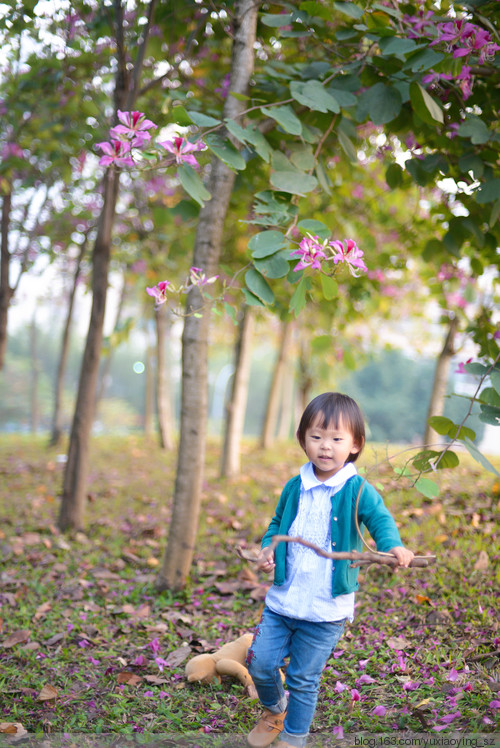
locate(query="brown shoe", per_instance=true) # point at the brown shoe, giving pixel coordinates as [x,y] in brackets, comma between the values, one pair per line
[267,728]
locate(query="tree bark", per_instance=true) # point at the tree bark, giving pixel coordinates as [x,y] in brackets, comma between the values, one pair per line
[287,413]
[441,374]
[274,399]
[163,390]
[75,476]
[5,289]
[35,376]
[194,396]
[56,431]
[149,404]
[104,378]
[236,407]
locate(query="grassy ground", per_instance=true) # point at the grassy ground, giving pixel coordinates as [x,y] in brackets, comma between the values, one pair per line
[88,646]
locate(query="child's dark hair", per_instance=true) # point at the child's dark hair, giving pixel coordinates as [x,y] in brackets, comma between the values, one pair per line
[334,407]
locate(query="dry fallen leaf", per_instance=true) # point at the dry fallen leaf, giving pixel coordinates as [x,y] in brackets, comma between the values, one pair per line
[155,680]
[423,599]
[12,728]
[128,678]
[42,610]
[177,656]
[482,562]
[18,637]
[398,642]
[47,693]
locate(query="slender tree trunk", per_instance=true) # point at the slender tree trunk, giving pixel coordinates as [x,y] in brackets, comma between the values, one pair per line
[275,393]
[75,476]
[5,289]
[149,396]
[163,390]
[194,396]
[440,383]
[305,374]
[287,404]
[35,376]
[56,432]
[236,407]
[104,378]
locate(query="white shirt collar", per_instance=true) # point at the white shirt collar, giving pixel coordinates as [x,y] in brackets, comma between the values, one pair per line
[309,479]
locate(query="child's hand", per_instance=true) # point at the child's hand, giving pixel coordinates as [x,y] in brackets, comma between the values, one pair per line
[403,555]
[265,560]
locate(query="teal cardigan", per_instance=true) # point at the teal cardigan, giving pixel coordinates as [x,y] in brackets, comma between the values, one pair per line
[372,513]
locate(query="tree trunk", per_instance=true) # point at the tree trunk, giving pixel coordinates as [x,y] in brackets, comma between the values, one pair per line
[275,393]
[305,374]
[75,476]
[163,390]
[194,395]
[5,289]
[287,413]
[149,403]
[236,407]
[56,432]
[104,378]
[35,376]
[441,374]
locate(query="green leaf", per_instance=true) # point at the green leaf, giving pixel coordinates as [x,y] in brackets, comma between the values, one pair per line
[226,151]
[284,116]
[382,102]
[440,424]
[295,182]
[490,415]
[276,266]
[427,487]
[314,96]
[275,21]
[180,116]
[479,457]
[495,380]
[476,369]
[344,98]
[425,105]
[394,45]
[394,176]
[302,157]
[257,284]
[350,9]
[347,147]
[193,184]
[475,129]
[266,243]
[202,120]
[489,396]
[423,60]
[316,9]
[314,227]
[250,135]
[329,286]
[298,300]
[252,300]
[473,163]
[459,433]
[323,178]
[439,460]
[236,130]
[489,191]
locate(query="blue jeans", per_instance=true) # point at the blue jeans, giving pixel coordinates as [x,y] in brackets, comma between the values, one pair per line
[309,645]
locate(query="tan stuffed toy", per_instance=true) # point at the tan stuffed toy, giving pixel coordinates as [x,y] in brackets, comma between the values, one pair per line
[228,660]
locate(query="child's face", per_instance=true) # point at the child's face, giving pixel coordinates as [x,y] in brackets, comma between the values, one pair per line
[328,449]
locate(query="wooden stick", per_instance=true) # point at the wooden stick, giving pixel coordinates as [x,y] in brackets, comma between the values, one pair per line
[360,559]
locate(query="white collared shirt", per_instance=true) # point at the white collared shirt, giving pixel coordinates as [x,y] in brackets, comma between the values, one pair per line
[307,590]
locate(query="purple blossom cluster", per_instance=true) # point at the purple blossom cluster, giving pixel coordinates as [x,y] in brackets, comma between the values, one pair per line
[133,133]
[312,253]
[196,278]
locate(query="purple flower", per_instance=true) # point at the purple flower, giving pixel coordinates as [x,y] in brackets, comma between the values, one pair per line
[115,153]
[310,252]
[339,687]
[495,704]
[355,694]
[198,278]
[350,253]
[154,645]
[135,126]
[410,686]
[159,293]
[365,679]
[182,149]
[161,663]
[379,711]
[338,731]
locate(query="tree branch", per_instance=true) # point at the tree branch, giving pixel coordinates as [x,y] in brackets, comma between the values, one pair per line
[360,559]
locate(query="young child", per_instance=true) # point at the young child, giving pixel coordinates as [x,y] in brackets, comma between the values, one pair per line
[312,597]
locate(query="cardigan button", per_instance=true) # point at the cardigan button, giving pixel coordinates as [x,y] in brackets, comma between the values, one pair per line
[335,519]
[334,544]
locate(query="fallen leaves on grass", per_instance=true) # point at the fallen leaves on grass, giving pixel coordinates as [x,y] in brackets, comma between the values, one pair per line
[17,637]
[12,728]
[48,693]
